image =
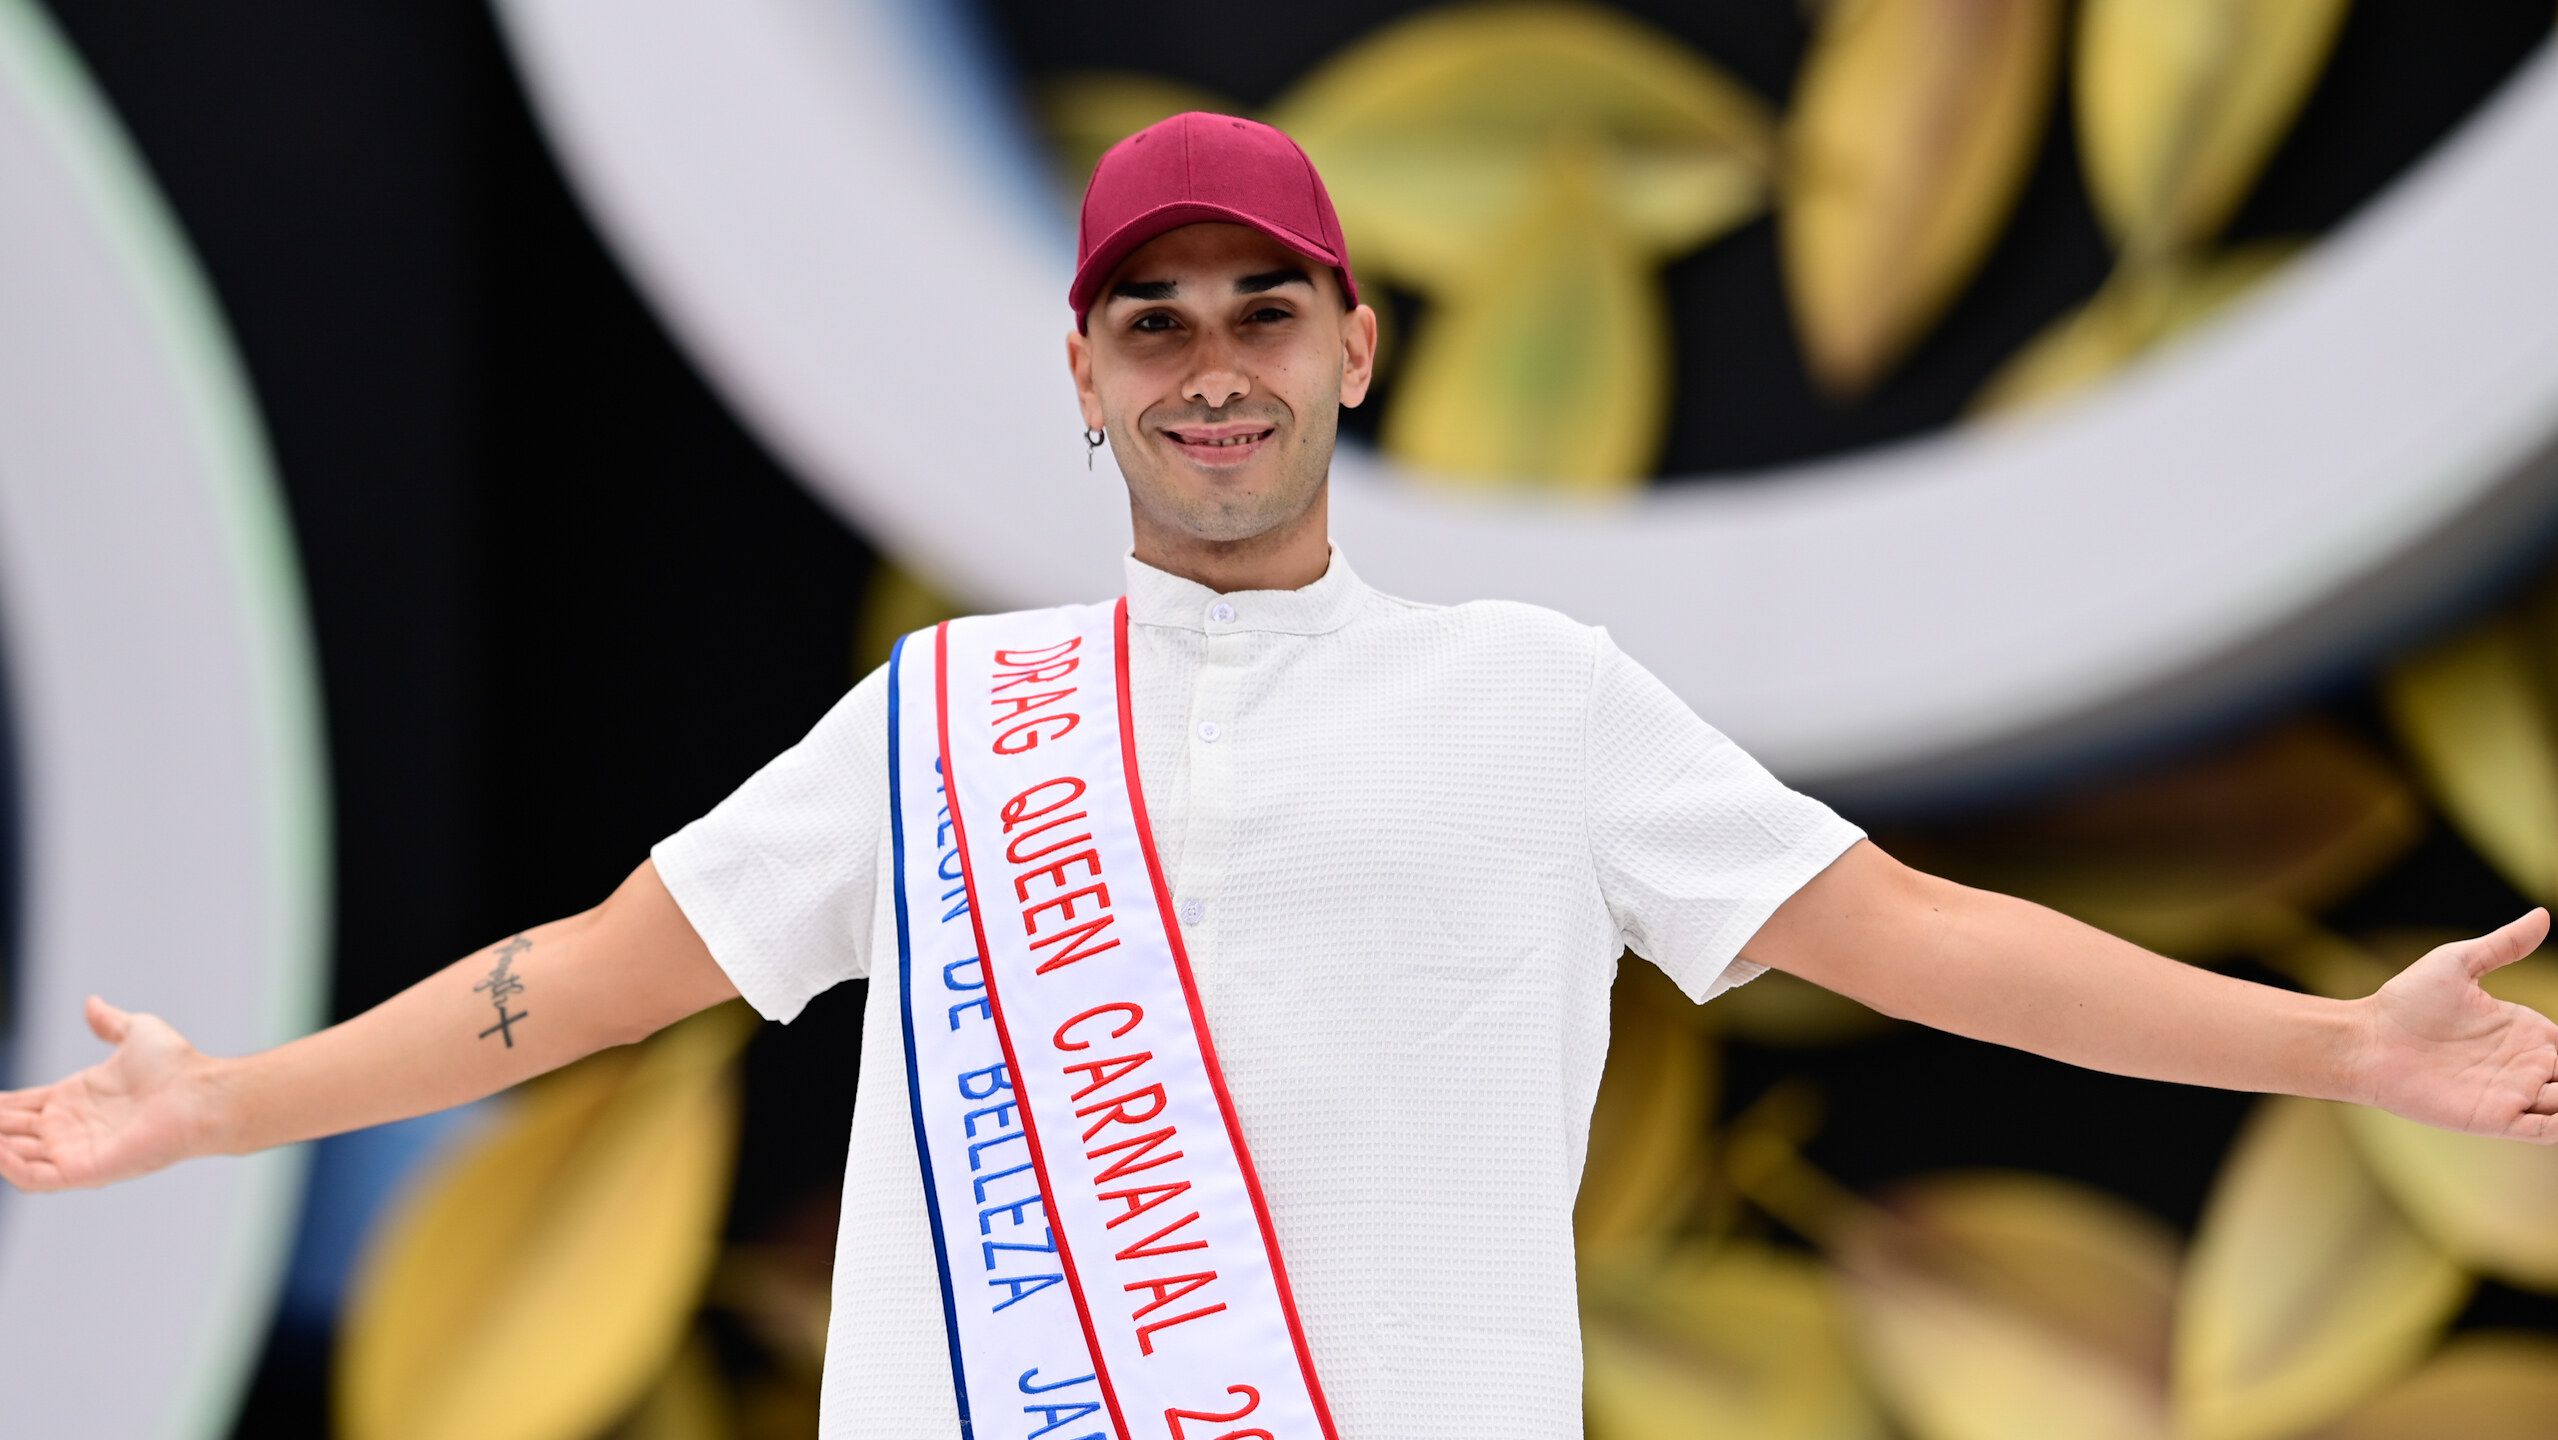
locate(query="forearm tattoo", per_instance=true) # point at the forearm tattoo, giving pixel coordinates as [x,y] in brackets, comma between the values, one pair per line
[504,984]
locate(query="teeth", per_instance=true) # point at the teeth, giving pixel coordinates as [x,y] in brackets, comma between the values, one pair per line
[1229,441]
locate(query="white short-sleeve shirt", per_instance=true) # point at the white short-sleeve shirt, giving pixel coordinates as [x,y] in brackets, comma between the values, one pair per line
[1407,844]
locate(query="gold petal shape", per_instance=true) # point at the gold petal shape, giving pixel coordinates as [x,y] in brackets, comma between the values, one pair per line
[2203,857]
[2306,1288]
[1551,362]
[1433,134]
[2011,1306]
[2474,715]
[1648,1130]
[1914,124]
[2484,1385]
[2181,102]
[2136,311]
[534,1287]
[1739,1340]
[2491,1202]
[1085,114]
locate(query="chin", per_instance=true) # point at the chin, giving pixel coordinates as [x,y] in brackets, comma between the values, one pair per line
[1214,512]
[1227,530]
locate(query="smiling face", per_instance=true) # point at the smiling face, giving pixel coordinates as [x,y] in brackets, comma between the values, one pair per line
[1218,360]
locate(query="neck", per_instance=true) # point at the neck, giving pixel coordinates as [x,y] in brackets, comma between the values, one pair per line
[1286,557]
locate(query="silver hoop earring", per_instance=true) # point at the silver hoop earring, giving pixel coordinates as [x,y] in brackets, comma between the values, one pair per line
[1092,442]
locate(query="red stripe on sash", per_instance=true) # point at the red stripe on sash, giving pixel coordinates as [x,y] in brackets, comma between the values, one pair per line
[1003,1032]
[1198,1023]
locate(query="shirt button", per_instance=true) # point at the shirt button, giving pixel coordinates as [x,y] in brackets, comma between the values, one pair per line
[1193,910]
[1208,731]
[1221,612]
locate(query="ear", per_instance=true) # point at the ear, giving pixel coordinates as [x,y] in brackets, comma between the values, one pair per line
[1079,364]
[1358,354]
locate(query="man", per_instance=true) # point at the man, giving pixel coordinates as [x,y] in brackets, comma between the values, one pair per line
[1395,851]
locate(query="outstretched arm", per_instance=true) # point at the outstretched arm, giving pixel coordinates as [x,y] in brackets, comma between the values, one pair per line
[2430,1045]
[527,1004]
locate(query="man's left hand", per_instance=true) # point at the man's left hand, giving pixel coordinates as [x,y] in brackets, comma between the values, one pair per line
[2440,1049]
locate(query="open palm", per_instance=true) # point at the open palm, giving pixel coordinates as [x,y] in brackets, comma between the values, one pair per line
[2444,1051]
[130,1114]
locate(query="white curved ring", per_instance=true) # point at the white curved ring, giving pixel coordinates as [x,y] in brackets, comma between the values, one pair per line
[843,221]
[172,840]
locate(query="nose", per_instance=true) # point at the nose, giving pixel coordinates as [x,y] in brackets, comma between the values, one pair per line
[1219,380]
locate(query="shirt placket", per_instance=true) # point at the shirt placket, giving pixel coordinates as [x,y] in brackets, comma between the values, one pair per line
[1213,739]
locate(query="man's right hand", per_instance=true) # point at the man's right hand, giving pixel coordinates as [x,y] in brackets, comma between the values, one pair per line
[145,1107]
[609,975]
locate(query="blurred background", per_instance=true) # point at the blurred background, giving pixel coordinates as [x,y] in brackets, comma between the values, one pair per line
[2105,447]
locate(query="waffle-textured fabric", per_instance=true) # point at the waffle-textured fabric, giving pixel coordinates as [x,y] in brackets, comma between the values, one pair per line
[1407,844]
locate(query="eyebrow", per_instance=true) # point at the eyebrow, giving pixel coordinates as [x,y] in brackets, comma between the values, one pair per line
[1245,285]
[1272,280]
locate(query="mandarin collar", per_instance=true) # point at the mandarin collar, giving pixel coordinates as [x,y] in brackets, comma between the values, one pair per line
[1159,597]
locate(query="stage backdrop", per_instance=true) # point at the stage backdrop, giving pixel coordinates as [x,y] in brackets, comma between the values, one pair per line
[2103,446]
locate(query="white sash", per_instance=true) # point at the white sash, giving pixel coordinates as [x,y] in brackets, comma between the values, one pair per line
[1108,1268]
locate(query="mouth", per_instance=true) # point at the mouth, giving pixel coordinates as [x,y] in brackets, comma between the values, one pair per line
[1219,447]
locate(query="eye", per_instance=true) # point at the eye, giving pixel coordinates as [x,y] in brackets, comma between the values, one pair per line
[1140,323]
[1272,312]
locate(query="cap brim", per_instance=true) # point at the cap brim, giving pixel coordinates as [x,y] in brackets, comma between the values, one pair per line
[1123,242]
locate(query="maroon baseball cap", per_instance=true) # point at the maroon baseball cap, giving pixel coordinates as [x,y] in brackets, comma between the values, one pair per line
[1197,166]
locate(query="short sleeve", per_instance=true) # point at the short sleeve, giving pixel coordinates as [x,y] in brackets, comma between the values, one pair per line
[1695,843]
[780,877]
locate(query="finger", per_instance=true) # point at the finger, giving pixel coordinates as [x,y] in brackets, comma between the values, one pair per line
[26,1152]
[34,1176]
[106,1022]
[2547,1103]
[2506,943]
[17,1122]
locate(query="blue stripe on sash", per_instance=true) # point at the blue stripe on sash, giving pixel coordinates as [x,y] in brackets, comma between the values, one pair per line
[906,1018]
